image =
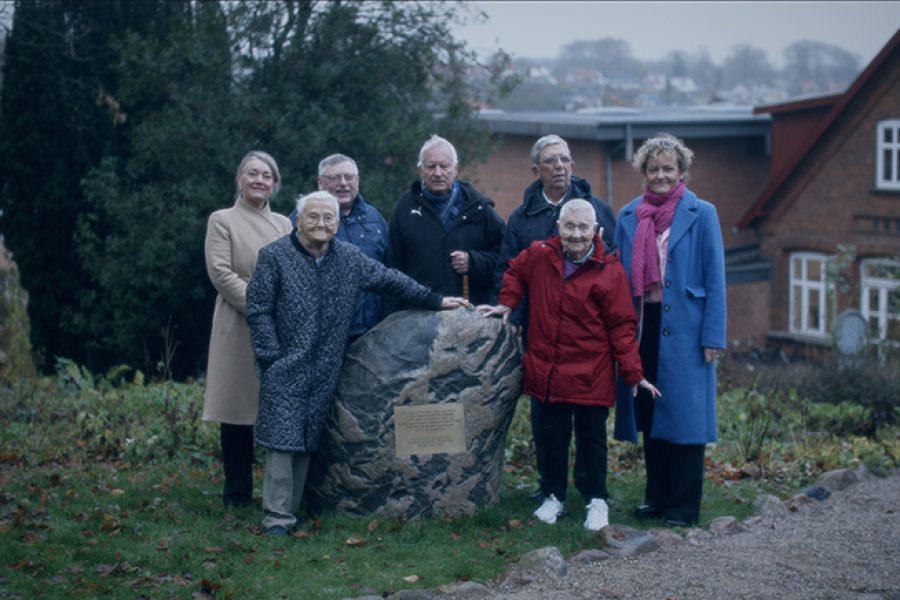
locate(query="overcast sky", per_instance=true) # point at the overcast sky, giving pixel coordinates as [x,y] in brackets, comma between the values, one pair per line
[539,29]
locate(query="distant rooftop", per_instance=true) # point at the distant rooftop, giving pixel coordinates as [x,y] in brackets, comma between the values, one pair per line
[626,124]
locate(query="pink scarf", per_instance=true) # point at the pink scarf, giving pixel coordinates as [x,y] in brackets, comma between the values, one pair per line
[655,214]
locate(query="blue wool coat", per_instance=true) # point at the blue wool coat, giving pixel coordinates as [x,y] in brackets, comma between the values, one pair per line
[299,311]
[693,318]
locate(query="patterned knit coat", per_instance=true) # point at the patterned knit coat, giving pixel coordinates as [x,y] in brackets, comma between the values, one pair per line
[299,311]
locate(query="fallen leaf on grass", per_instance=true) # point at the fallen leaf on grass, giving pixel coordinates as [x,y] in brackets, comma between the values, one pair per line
[116,492]
[300,534]
[248,558]
[411,578]
[355,542]
[213,549]
[373,525]
[515,523]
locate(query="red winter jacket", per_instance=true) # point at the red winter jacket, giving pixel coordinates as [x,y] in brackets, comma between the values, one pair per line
[578,328]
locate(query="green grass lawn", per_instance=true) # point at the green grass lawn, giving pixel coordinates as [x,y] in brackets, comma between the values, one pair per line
[160,530]
[113,490]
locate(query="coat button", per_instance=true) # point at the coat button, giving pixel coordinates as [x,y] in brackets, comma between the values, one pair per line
[667,308]
[665,332]
[668,283]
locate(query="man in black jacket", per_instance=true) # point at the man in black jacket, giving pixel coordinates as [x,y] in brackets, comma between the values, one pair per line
[535,219]
[444,233]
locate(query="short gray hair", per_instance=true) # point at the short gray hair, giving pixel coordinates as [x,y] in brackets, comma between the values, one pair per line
[577,205]
[302,201]
[547,140]
[270,162]
[436,140]
[335,159]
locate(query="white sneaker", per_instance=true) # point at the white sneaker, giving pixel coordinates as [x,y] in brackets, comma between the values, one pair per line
[597,515]
[549,510]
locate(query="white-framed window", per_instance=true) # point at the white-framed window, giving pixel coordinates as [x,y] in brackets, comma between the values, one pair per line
[880,297]
[887,176]
[808,297]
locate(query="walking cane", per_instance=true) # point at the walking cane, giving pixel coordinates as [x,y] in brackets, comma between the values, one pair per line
[466,286]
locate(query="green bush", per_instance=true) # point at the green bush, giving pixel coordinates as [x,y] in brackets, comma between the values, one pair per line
[868,383]
[841,419]
[108,418]
[14,331]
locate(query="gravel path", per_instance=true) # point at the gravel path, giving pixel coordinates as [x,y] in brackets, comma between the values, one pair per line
[846,547]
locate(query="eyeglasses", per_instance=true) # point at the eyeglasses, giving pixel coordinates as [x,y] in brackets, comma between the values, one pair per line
[336,177]
[579,227]
[550,161]
[314,218]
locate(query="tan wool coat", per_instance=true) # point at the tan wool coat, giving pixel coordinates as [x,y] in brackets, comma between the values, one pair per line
[233,239]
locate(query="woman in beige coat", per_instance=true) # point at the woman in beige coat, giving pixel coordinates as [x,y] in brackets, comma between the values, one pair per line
[233,239]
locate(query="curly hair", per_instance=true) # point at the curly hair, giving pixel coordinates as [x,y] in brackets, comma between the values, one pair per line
[663,143]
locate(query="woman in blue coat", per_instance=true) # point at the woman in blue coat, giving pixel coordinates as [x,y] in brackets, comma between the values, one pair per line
[671,246]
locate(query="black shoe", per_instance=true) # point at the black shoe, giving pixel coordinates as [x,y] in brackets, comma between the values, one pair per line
[276,531]
[646,511]
[676,522]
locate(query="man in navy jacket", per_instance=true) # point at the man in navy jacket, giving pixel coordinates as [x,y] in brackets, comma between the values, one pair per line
[361,224]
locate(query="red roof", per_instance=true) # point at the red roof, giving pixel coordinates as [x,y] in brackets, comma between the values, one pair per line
[820,101]
[759,208]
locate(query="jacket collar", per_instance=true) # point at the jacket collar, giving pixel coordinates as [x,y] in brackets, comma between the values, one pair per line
[685,216]
[295,240]
[600,255]
[244,205]
[470,198]
[533,198]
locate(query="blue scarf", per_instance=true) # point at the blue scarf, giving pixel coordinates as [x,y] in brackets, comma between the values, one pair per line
[447,206]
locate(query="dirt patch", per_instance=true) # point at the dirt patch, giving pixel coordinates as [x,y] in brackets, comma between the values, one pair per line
[847,547]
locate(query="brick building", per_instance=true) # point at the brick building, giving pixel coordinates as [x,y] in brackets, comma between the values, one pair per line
[796,185]
[828,222]
[731,169]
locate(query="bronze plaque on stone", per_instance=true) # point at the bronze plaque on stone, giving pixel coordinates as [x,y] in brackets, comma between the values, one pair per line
[430,429]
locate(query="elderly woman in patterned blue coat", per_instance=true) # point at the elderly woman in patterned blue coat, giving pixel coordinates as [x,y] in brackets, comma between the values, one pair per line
[300,304]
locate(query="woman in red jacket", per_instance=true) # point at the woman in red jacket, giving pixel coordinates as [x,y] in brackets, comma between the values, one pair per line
[582,322]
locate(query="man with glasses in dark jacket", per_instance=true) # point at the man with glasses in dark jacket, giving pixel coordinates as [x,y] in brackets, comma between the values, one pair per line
[536,219]
[361,225]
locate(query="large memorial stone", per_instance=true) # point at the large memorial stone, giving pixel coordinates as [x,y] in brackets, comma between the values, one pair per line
[417,358]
